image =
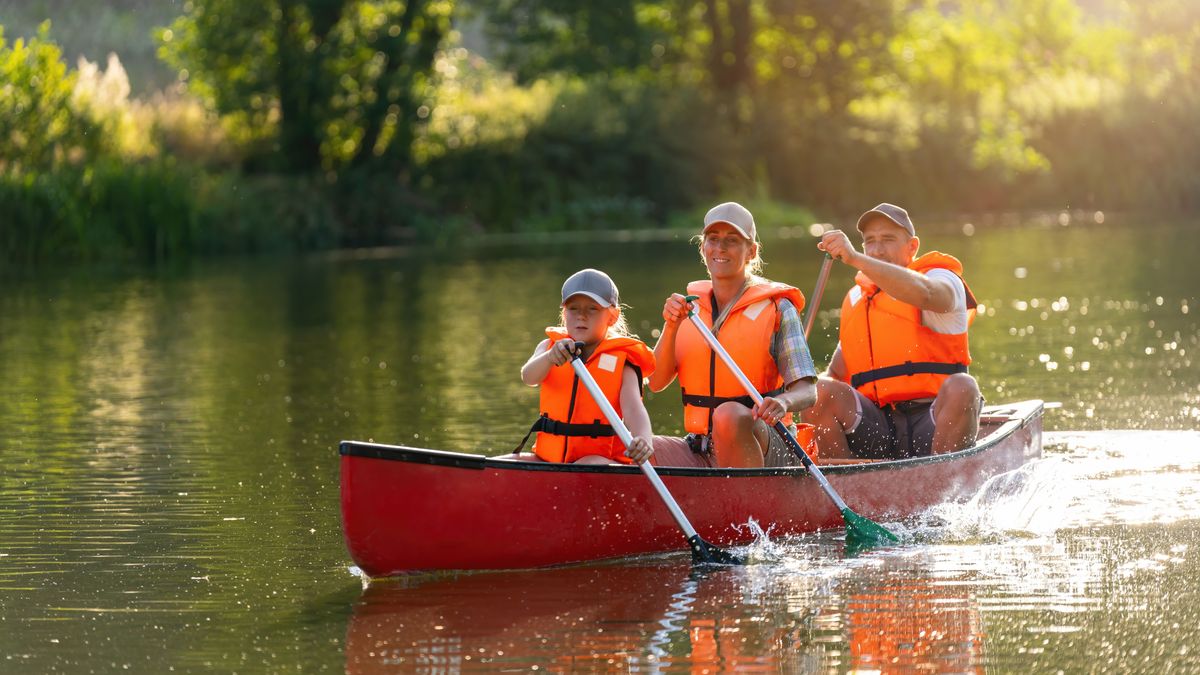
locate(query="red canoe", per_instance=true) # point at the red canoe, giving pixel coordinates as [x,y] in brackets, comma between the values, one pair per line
[409,509]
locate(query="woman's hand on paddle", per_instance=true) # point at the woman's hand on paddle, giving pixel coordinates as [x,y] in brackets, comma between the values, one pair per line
[639,449]
[771,410]
[838,245]
[561,351]
[675,309]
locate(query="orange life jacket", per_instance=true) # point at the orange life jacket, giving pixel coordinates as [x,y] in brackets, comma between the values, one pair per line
[746,335]
[889,354]
[571,425]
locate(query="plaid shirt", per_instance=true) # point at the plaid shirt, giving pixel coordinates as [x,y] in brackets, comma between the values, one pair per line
[789,348]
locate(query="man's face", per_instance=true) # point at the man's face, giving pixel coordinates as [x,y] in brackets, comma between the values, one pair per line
[887,241]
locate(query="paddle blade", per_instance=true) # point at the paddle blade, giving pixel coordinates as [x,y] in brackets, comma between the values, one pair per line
[863,533]
[705,553]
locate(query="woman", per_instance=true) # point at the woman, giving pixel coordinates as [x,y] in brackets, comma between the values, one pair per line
[758,323]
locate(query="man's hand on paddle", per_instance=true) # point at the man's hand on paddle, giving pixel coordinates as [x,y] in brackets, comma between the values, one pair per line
[675,309]
[838,245]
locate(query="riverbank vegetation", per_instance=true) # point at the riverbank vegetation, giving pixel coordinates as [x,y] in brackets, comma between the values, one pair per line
[367,122]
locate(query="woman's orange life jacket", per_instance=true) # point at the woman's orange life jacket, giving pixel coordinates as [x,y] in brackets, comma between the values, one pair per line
[704,380]
[889,354]
[571,425]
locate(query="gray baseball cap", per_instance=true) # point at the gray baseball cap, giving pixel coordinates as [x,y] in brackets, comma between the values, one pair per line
[893,213]
[733,213]
[592,283]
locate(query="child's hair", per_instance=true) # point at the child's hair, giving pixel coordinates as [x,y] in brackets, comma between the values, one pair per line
[620,327]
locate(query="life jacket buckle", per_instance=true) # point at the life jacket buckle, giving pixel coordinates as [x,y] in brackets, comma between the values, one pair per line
[701,444]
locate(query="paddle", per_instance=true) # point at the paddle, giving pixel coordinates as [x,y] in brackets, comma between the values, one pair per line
[702,551]
[814,301]
[861,532]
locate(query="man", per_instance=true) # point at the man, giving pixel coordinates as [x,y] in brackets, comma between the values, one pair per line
[897,384]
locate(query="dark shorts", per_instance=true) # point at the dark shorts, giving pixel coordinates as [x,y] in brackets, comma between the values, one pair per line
[895,431]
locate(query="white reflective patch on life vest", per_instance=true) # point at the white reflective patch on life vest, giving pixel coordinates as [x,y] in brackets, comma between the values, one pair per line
[855,295]
[607,362]
[754,310]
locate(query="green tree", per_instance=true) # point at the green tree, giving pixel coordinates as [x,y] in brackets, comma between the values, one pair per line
[581,37]
[322,84]
[40,126]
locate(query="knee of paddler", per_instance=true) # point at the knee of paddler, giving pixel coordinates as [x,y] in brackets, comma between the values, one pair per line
[730,415]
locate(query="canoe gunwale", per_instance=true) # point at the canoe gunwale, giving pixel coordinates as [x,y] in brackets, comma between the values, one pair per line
[1017,416]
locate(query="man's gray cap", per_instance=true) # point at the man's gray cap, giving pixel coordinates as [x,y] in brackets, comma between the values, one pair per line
[893,213]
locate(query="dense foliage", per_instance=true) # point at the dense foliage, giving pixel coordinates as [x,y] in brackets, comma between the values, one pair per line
[340,81]
[314,123]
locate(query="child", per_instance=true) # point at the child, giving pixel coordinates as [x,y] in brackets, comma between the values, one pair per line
[572,428]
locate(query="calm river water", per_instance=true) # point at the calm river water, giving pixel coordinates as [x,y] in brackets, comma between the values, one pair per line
[169,492]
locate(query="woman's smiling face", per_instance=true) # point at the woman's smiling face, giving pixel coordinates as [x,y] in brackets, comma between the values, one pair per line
[726,251]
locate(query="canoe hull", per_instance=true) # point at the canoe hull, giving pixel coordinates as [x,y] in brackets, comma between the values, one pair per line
[410,510]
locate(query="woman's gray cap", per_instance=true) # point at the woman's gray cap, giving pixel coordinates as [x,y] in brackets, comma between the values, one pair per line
[893,213]
[592,283]
[733,213]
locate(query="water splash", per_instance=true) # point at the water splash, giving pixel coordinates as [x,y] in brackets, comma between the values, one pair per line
[1086,479]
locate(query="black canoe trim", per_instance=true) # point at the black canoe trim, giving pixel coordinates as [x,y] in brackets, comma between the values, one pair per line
[1017,416]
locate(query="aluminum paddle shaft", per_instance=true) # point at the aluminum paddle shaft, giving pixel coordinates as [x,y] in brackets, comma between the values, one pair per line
[758,398]
[702,551]
[862,530]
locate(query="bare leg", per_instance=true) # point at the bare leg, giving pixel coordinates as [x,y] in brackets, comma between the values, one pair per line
[737,440]
[833,413]
[595,459]
[956,414]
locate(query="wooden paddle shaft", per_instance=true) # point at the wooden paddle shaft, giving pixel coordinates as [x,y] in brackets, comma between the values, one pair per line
[627,438]
[814,302]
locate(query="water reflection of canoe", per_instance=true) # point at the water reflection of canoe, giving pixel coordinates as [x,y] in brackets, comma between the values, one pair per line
[667,616]
[409,509]
[577,618]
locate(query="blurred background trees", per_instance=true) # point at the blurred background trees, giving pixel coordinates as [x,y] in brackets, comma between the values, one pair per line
[301,124]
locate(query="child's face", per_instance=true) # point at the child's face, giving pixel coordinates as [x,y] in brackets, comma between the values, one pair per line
[585,320]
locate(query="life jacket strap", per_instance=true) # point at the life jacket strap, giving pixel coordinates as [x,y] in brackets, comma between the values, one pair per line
[906,368]
[550,426]
[714,401]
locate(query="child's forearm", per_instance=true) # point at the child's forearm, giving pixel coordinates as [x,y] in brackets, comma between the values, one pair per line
[537,367]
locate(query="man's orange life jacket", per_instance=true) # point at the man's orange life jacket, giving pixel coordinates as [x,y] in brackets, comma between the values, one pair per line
[746,334]
[889,354]
[571,425]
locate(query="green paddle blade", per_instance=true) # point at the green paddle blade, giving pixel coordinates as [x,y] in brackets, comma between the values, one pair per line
[863,533]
